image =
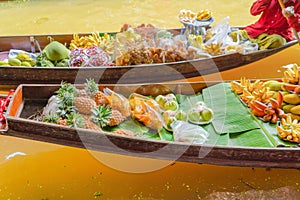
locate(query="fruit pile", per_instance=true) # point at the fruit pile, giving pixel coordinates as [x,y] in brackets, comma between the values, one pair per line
[22,59]
[91,108]
[86,108]
[273,101]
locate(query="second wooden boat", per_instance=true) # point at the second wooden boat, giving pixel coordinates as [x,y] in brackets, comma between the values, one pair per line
[146,73]
[257,147]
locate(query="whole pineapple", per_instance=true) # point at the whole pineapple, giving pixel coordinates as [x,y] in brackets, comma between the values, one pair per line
[116,118]
[101,115]
[84,104]
[89,124]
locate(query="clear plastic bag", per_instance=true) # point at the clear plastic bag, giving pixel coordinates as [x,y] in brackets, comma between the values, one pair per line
[118,102]
[186,132]
[146,111]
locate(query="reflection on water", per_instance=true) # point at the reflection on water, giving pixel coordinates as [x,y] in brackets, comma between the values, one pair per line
[55,172]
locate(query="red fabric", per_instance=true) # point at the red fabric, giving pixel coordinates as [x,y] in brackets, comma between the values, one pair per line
[272,20]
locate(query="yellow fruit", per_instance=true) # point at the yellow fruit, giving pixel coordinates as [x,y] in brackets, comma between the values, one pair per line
[287,108]
[14,62]
[25,64]
[291,99]
[274,85]
[296,110]
[294,116]
[23,57]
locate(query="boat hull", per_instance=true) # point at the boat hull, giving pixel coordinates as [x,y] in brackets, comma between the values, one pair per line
[19,126]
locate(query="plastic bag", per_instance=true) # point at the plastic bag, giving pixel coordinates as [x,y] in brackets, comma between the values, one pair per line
[118,102]
[186,132]
[146,111]
[220,33]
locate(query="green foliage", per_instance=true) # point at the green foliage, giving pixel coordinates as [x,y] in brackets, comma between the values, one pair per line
[75,120]
[91,87]
[51,118]
[101,115]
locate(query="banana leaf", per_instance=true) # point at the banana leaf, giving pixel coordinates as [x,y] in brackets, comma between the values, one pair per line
[231,116]
[233,124]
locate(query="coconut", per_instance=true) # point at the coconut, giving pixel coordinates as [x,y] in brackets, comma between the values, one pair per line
[56,51]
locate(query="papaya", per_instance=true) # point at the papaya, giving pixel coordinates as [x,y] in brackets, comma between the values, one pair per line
[56,51]
[291,99]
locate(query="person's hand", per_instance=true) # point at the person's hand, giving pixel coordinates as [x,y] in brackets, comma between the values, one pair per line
[288,12]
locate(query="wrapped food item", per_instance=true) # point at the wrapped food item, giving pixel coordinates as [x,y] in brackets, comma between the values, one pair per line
[167,102]
[170,116]
[186,132]
[117,102]
[146,111]
[92,56]
[200,114]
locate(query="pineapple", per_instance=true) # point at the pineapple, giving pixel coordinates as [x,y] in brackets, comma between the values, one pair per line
[89,124]
[80,93]
[65,88]
[116,118]
[51,118]
[101,98]
[101,115]
[84,104]
[75,120]
[124,132]
[91,87]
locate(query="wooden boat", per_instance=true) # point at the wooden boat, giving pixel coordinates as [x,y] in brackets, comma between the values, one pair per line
[147,73]
[28,99]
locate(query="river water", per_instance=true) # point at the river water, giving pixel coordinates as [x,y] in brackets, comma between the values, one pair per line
[35,170]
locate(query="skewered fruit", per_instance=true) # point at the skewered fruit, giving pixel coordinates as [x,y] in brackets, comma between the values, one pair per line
[56,51]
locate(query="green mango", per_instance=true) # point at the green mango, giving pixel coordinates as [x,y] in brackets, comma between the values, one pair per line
[14,62]
[56,51]
[25,64]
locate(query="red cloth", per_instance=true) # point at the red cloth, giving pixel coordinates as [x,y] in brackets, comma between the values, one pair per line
[272,20]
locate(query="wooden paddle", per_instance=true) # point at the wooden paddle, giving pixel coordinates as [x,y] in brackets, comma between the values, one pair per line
[294,30]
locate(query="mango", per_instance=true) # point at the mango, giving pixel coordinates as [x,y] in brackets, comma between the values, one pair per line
[296,110]
[25,64]
[294,116]
[14,62]
[274,85]
[3,63]
[287,108]
[291,99]
[56,51]
[23,57]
